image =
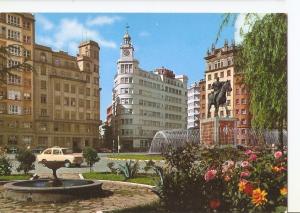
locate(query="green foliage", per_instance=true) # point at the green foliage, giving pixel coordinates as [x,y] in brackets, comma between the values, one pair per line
[108,137]
[5,55]
[136,156]
[91,156]
[263,60]
[149,165]
[14,177]
[5,166]
[26,160]
[111,166]
[130,169]
[209,179]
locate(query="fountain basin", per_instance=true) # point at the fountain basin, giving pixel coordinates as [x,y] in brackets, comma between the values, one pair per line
[42,191]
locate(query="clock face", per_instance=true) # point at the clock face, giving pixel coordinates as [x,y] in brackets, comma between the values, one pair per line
[126,52]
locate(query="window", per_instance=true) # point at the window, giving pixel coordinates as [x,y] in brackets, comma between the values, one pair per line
[222,74]
[14,95]
[237,101]
[73,115]
[15,50]
[43,99]
[43,70]
[216,76]
[66,87]
[228,73]
[26,25]
[47,152]
[43,84]
[237,111]
[209,86]
[243,101]
[88,116]
[43,126]
[14,79]
[13,20]
[56,152]
[57,114]
[57,86]
[81,90]
[237,91]
[244,111]
[66,101]
[66,115]
[73,102]
[14,109]
[27,39]
[73,89]
[88,104]
[88,91]
[15,35]
[26,53]
[88,78]
[43,112]
[81,116]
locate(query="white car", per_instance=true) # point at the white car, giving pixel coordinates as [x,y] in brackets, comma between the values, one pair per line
[60,154]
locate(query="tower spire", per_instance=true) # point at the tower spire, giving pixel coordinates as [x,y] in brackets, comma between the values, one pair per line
[127,38]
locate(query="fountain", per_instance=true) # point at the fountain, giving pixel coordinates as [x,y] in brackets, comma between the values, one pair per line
[51,190]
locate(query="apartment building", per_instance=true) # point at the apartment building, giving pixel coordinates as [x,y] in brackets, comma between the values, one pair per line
[145,102]
[16,93]
[56,103]
[193,105]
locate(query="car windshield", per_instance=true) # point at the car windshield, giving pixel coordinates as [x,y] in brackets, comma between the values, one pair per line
[67,151]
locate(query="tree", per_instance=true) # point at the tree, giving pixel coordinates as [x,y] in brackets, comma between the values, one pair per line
[91,156]
[262,58]
[5,56]
[26,160]
[108,136]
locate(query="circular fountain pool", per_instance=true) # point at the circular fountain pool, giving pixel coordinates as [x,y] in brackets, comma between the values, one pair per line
[42,190]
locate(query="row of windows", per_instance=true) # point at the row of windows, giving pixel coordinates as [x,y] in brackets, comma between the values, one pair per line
[149,84]
[150,123]
[16,51]
[16,35]
[172,90]
[173,116]
[126,90]
[149,103]
[216,75]
[14,20]
[126,80]
[173,99]
[242,111]
[242,101]
[71,115]
[16,124]
[126,68]
[150,113]
[72,89]
[219,64]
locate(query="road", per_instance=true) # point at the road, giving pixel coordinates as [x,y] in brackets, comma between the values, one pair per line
[100,166]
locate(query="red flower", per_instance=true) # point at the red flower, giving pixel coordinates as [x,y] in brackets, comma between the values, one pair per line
[245,174]
[248,189]
[248,152]
[252,157]
[277,154]
[214,203]
[210,174]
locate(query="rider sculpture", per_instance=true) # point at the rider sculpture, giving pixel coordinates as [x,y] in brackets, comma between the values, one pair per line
[218,96]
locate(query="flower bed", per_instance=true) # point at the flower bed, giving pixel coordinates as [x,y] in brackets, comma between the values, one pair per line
[224,179]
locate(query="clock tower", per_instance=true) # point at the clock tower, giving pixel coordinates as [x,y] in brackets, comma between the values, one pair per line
[126,47]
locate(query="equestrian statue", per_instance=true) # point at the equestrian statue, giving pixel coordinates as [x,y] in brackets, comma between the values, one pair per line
[218,96]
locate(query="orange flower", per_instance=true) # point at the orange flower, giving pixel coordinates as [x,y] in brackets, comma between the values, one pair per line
[214,203]
[259,197]
[242,185]
[283,191]
[276,168]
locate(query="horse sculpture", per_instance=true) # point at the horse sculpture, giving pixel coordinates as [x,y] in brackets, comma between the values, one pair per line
[220,99]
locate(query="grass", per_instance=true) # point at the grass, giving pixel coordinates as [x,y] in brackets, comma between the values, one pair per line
[136,156]
[141,178]
[14,177]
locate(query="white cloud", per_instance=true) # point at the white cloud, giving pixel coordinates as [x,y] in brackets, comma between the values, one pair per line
[103,20]
[243,25]
[44,22]
[144,34]
[68,34]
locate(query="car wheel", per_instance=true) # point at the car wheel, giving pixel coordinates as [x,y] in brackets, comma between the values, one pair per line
[67,164]
[44,162]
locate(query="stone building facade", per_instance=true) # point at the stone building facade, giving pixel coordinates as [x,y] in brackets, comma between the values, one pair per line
[145,102]
[56,103]
[193,106]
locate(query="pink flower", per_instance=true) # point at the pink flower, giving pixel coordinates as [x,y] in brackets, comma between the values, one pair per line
[277,154]
[245,174]
[248,152]
[245,164]
[210,175]
[252,157]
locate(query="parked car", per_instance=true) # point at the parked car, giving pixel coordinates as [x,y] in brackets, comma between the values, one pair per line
[60,154]
[38,150]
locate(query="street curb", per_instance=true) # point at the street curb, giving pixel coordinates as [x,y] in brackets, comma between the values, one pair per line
[122,159]
[125,183]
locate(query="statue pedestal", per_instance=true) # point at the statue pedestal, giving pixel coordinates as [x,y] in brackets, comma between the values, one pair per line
[218,131]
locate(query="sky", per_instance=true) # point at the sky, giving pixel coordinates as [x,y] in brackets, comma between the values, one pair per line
[177,41]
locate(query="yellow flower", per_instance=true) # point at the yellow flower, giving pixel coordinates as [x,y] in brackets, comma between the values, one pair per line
[283,191]
[259,197]
[242,185]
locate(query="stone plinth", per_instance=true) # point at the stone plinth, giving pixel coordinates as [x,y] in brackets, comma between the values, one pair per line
[218,131]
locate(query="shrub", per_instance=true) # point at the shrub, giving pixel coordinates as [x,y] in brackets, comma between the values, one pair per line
[149,165]
[91,156]
[130,169]
[111,166]
[5,166]
[223,179]
[26,160]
